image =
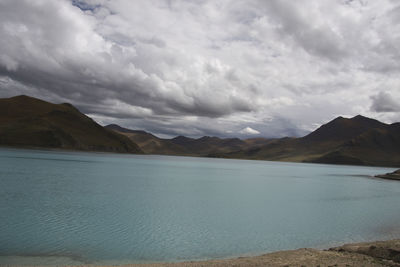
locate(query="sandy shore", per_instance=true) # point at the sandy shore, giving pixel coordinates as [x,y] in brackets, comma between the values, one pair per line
[371,254]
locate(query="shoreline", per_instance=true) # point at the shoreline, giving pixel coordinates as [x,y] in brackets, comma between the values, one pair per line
[368,254]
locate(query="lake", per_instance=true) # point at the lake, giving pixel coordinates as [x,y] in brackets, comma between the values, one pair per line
[73,208]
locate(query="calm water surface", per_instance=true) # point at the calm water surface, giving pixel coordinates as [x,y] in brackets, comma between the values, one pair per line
[71,208]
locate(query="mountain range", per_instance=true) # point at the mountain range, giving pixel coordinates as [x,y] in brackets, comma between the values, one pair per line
[29,122]
[185,146]
[356,141]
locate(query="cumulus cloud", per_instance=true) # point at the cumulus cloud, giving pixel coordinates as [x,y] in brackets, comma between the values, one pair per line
[204,67]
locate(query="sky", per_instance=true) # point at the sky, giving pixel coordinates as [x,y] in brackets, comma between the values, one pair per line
[224,68]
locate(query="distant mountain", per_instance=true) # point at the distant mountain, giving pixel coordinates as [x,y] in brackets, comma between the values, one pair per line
[29,122]
[149,143]
[181,145]
[358,140]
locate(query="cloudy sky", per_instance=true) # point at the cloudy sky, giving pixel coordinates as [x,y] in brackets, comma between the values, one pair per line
[197,67]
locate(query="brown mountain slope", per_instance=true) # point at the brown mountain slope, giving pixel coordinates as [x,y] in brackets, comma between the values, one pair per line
[149,143]
[359,140]
[208,145]
[30,122]
[377,146]
[258,141]
[342,129]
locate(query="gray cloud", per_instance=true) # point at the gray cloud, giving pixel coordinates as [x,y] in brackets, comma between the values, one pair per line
[316,38]
[204,67]
[384,102]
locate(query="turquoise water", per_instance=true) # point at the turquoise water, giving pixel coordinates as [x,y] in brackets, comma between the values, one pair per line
[71,208]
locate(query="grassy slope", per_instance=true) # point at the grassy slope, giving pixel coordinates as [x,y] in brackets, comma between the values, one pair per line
[30,122]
